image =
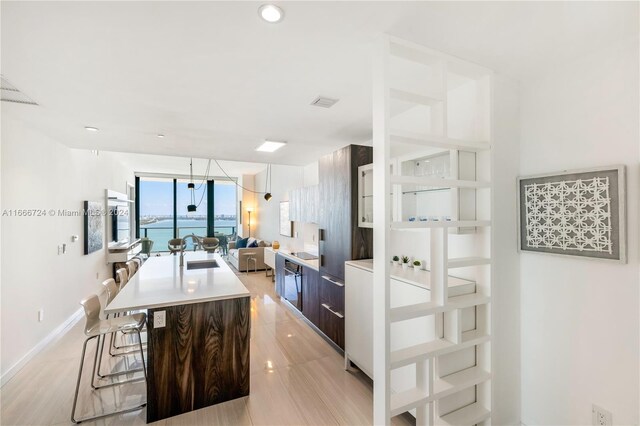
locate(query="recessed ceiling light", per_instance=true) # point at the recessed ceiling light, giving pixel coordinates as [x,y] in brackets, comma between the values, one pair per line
[161,136]
[270,146]
[91,129]
[271,13]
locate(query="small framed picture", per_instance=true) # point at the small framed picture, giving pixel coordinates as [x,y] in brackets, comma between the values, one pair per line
[286,226]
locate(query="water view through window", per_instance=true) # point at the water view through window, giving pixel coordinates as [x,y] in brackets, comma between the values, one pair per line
[157,210]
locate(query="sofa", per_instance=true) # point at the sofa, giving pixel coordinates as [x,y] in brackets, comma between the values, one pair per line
[238,257]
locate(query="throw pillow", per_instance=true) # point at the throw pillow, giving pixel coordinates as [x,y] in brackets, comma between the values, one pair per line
[241,243]
[254,243]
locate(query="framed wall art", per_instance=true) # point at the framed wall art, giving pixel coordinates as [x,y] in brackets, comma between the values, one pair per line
[93,226]
[286,225]
[574,213]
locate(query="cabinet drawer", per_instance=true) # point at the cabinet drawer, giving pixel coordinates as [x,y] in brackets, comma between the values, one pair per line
[332,323]
[332,292]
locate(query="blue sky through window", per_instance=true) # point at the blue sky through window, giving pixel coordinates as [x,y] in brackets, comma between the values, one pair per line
[156,198]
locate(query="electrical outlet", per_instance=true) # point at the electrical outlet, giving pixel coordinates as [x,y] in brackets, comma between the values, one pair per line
[159,319]
[600,416]
[40,315]
[97,275]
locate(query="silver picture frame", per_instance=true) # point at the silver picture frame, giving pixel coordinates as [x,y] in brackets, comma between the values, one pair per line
[556,213]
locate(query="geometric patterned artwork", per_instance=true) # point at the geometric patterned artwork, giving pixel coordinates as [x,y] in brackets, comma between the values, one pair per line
[577,213]
[572,214]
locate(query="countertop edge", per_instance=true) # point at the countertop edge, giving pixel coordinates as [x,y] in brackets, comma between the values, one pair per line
[182,302]
[297,259]
[359,264]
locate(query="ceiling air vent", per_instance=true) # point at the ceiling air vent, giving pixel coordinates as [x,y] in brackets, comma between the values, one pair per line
[323,102]
[11,94]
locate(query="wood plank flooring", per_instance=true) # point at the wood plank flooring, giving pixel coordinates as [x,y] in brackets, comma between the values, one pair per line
[296,379]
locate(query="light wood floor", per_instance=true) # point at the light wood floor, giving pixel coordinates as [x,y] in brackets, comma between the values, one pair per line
[296,379]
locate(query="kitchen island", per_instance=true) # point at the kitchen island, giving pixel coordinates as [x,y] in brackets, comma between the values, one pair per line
[198,330]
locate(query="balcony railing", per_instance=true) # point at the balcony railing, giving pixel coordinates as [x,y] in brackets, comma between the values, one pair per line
[160,235]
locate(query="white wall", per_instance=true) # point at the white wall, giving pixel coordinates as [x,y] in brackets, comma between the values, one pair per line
[505,307]
[580,323]
[283,179]
[311,174]
[40,173]
[247,184]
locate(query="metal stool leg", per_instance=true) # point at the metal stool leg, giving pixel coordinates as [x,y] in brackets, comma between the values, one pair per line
[119,373]
[75,396]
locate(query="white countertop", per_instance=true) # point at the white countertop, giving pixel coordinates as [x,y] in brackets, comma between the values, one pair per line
[421,278]
[162,282]
[313,264]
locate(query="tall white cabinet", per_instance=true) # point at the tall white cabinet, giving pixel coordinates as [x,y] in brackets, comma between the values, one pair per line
[432,122]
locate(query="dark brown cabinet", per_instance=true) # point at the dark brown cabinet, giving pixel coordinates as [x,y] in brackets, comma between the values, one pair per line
[311,295]
[332,309]
[341,239]
[279,274]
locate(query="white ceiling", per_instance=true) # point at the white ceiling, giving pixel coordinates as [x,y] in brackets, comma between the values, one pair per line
[216,80]
[176,166]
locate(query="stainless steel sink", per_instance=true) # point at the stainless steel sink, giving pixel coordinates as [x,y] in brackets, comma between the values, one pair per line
[202,264]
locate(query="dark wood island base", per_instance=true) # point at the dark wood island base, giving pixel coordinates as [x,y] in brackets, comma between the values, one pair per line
[200,358]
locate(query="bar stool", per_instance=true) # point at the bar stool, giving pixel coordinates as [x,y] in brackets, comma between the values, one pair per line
[111,289]
[122,276]
[176,245]
[138,261]
[251,257]
[210,244]
[132,267]
[96,328]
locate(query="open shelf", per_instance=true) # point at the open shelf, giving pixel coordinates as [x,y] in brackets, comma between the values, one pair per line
[440,183]
[431,308]
[436,141]
[405,96]
[435,348]
[419,225]
[466,416]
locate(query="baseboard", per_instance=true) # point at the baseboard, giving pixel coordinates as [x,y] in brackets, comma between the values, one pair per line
[50,338]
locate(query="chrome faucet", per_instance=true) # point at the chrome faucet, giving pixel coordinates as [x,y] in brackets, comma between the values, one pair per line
[183,245]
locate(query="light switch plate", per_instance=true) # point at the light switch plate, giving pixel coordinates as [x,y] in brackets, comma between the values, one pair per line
[159,319]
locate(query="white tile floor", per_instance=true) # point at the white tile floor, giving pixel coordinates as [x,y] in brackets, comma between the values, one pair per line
[296,379]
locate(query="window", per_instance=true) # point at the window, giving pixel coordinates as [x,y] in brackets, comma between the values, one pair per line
[224,207]
[163,212]
[156,205]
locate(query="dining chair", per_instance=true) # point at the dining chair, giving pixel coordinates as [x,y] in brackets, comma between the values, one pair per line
[176,245]
[210,244]
[97,328]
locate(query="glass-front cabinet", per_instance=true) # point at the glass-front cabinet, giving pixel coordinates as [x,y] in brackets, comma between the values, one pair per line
[434,198]
[365,196]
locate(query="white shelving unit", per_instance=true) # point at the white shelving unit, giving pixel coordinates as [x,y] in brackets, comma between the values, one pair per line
[429,106]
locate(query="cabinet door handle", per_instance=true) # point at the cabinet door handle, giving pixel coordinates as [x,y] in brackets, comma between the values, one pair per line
[338,283]
[328,308]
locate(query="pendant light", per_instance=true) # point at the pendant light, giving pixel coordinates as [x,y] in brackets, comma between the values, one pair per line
[191,186]
[267,194]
